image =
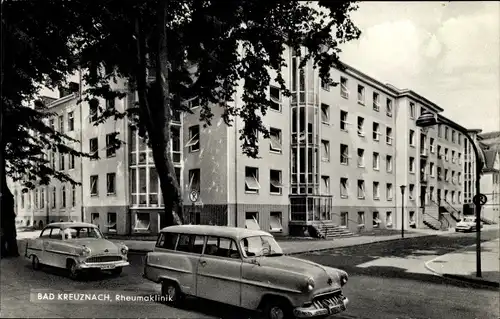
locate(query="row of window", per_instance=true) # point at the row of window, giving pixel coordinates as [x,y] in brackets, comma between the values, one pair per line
[110,225]
[62,160]
[345,157]
[454,197]
[455,177]
[376,103]
[344,126]
[70,123]
[110,184]
[39,198]
[110,150]
[456,137]
[456,157]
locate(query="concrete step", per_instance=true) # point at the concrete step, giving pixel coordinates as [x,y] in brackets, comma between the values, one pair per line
[431,223]
[487,221]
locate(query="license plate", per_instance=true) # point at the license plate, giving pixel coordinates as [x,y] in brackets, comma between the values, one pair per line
[336,309]
[108,267]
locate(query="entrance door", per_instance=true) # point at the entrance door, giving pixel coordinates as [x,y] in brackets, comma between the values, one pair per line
[219,272]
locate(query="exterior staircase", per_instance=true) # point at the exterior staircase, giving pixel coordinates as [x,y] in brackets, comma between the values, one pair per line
[448,220]
[487,221]
[431,222]
[447,208]
[329,229]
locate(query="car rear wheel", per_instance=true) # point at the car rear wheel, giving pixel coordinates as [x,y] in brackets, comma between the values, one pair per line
[277,309]
[171,292]
[35,263]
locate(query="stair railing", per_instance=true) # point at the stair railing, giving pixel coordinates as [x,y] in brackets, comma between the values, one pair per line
[442,222]
[452,211]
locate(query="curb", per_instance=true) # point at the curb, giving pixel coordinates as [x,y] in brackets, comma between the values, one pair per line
[484,282]
[461,278]
[136,251]
[363,244]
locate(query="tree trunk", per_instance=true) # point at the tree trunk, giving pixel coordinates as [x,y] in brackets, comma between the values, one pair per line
[172,194]
[156,115]
[8,233]
[7,213]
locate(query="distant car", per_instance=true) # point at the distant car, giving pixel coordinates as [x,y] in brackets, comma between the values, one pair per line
[76,247]
[467,224]
[244,268]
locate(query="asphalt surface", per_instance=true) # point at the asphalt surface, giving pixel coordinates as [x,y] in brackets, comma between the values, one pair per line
[387,280]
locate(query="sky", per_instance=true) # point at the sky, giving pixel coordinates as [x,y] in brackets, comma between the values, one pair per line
[448,52]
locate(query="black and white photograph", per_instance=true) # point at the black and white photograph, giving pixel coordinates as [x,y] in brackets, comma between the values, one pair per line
[250,159]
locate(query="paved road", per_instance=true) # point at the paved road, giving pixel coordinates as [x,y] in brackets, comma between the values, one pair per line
[387,280]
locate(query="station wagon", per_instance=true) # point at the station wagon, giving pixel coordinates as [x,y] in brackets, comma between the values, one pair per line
[244,268]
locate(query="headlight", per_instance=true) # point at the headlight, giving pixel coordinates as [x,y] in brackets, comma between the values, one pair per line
[310,284]
[85,251]
[124,250]
[343,278]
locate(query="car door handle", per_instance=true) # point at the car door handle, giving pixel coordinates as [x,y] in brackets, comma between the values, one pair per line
[203,263]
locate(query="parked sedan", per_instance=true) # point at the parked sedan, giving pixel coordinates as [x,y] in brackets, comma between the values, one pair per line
[467,224]
[76,247]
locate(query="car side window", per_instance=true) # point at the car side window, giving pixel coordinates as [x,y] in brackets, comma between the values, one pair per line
[221,247]
[167,241]
[56,233]
[190,243]
[45,233]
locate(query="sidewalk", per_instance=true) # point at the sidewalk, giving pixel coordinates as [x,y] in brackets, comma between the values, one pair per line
[292,247]
[461,264]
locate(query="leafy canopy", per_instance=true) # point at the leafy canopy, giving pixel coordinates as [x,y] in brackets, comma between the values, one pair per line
[212,47]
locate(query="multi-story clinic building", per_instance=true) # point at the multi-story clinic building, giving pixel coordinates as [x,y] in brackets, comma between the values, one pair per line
[336,155]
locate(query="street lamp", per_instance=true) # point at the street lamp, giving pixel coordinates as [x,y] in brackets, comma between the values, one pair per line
[402,210]
[427,119]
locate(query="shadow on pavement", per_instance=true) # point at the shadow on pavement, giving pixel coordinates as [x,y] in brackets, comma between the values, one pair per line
[419,249]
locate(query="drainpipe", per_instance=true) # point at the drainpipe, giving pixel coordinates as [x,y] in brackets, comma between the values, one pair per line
[236,162]
[80,91]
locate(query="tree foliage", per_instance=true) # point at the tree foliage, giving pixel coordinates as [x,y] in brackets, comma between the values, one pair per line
[170,52]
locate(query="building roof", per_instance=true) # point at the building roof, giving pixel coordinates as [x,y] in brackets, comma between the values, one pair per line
[490,135]
[449,122]
[209,230]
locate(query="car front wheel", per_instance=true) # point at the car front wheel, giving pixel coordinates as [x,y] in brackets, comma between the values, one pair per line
[276,309]
[35,263]
[74,272]
[117,271]
[171,293]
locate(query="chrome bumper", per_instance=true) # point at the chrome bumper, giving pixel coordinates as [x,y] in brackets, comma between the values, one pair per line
[104,266]
[311,311]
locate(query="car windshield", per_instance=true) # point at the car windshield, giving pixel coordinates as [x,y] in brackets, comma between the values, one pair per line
[468,219]
[257,246]
[82,232]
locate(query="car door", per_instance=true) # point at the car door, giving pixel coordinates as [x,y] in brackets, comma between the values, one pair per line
[219,271]
[185,261]
[51,252]
[37,246]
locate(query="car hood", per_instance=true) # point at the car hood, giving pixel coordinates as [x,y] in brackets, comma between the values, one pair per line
[465,223]
[321,274]
[97,246]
